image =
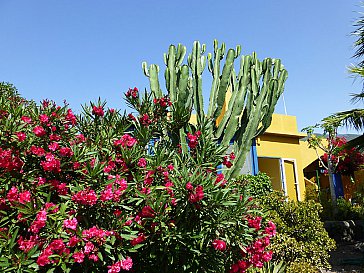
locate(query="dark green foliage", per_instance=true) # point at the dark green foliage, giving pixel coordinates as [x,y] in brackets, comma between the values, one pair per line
[256,185]
[301,236]
[346,210]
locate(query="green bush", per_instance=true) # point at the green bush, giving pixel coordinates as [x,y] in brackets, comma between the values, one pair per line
[256,185]
[301,236]
[346,210]
[305,267]
[311,193]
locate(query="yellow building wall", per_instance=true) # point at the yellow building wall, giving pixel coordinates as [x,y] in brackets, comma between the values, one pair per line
[290,180]
[282,140]
[271,167]
[309,155]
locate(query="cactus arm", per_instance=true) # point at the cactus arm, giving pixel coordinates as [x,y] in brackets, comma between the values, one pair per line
[214,68]
[224,81]
[152,74]
[229,123]
[197,64]
[181,53]
[182,136]
[182,85]
[171,71]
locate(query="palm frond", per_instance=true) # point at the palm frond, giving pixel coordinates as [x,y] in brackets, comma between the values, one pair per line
[357,97]
[352,118]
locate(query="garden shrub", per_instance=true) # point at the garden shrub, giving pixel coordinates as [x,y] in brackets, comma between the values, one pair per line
[346,210]
[301,236]
[105,191]
[256,185]
[306,267]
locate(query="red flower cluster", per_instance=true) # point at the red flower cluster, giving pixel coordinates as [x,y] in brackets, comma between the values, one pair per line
[219,245]
[10,162]
[227,160]
[347,160]
[194,194]
[85,197]
[193,139]
[256,255]
[20,197]
[163,102]
[145,120]
[132,93]
[51,164]
[126,141]
[220,179]
[125,264]
[98,111]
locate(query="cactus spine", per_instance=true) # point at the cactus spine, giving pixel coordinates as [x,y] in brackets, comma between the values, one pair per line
[254,92]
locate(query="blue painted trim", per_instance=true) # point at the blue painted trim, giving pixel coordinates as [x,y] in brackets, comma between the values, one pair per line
[254,157]
[338,185]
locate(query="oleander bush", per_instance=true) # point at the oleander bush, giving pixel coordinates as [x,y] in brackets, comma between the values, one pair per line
[108,192]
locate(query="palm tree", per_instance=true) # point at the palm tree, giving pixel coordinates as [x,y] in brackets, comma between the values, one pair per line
[354,118]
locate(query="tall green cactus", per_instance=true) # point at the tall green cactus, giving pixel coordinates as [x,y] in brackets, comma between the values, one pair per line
[255,91]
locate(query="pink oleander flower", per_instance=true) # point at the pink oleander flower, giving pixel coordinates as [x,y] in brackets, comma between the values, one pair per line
[21,136]
[78,256]
[38,151]
[189,186]
[54,146]
[54,137]
[219,245]
[138,240]
[43,258]
[227,162]
[13,194]
[43,118]
[198,195]
[115,268]
[255,222]
[270,230]
[85,197]
[98,111]
[51,164]
[89,247]
[147,212]
[39,222]
[267,256]
[27,245]
[127,264]
[70,223]
[65,152]
[70,117]
[220,178]
[193,139]
[145,120]
[73,241]
[93,257]
[51,207]
[126,141]
[132,93]
[39,131]
[24,197]
[26,119]
[58,246]
[142,162]
[107,194]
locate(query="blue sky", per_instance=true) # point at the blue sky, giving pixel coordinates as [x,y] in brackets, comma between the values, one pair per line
[80,50]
